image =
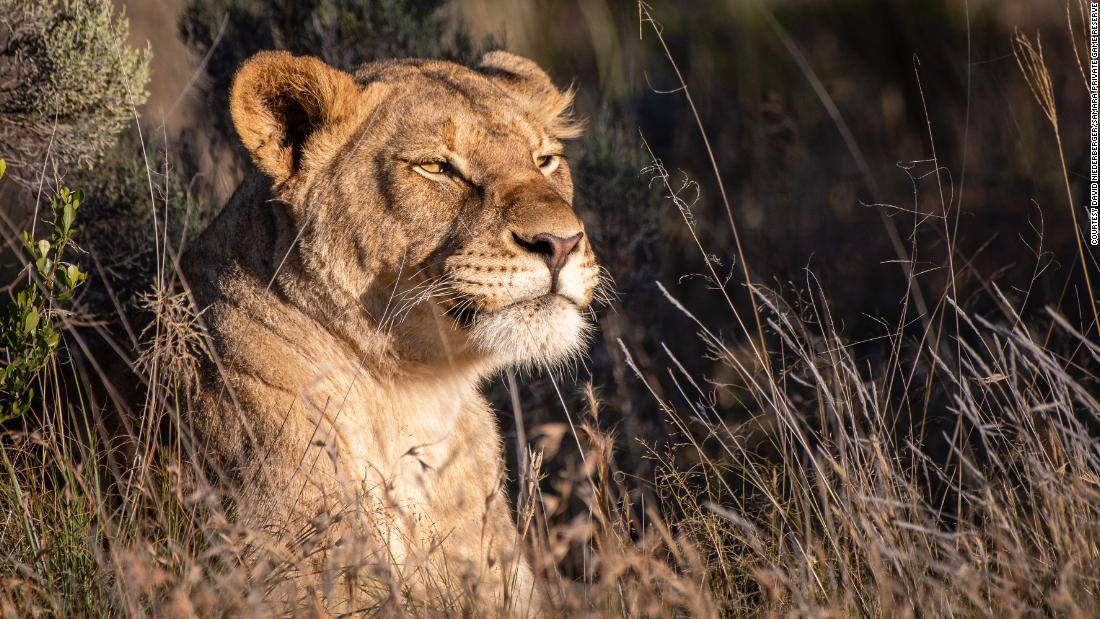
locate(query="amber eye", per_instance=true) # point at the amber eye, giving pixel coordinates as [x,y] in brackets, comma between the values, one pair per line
[547,163]
[432,167]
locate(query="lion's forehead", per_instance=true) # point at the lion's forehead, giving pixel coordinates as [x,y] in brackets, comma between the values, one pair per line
[453,103]
[431,75]
[472,130]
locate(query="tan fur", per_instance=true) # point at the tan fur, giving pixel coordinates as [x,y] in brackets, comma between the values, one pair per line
[355,302]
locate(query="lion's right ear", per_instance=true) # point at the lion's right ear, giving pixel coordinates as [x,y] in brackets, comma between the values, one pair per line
[284,105]
[526,82]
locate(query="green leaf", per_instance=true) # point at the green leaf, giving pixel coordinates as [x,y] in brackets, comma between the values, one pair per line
[74,275]
[43,247]
[68,214]
[3,167]
[30,321]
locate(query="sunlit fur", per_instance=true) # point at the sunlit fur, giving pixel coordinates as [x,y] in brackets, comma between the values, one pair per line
[540,333]
[515,320]
[363,283]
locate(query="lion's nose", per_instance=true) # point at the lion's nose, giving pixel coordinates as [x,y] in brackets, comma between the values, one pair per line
[554,250]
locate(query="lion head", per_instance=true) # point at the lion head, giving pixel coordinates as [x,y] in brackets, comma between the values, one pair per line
[431,181]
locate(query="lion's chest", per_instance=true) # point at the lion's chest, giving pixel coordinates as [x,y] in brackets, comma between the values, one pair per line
[426,442]
[418,443]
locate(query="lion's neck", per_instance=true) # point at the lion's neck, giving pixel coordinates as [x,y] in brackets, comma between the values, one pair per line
[248,260]
[251,247]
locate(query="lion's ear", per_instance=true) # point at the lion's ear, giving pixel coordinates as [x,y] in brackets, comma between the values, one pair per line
[280,103]
[526,82]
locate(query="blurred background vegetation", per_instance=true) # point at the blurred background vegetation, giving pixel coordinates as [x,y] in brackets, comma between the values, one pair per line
[68,84]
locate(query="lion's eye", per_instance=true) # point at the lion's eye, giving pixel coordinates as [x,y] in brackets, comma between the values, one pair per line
[547,163]
[433,167]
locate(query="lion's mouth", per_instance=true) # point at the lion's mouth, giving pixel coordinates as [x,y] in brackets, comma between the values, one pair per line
[466,314]
[463,315]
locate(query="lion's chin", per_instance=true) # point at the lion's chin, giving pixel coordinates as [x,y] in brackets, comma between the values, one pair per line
[542,333]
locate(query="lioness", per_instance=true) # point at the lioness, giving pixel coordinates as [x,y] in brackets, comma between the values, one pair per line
[408,233]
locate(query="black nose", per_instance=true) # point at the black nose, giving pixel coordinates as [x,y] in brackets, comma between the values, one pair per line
[554,250]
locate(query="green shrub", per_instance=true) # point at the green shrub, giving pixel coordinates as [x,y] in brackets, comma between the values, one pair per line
[28,335]
[68,83]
